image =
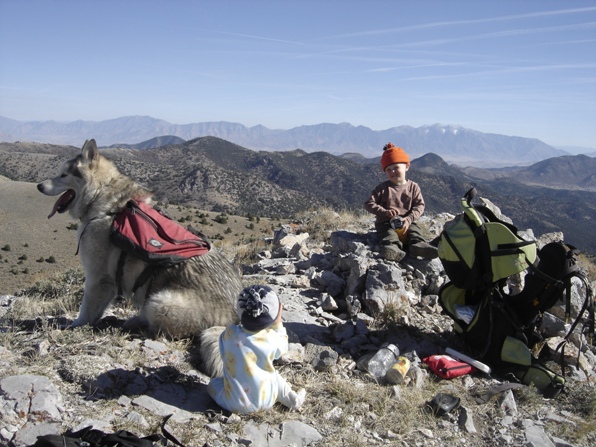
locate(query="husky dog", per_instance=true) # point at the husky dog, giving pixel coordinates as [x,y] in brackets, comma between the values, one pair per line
[183,300]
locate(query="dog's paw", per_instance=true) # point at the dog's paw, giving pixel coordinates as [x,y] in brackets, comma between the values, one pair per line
[136,324]
[77,323]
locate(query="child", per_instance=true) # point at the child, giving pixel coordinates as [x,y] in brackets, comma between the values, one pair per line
[398,199]
[250,382]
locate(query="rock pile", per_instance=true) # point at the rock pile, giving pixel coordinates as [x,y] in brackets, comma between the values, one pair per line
[332,295]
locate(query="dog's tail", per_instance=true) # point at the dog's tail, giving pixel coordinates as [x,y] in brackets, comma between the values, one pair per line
[209,350]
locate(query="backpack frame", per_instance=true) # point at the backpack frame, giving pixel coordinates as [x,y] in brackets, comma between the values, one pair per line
[505,328]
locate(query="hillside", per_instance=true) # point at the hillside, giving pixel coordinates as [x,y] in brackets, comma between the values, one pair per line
[578,171]
[216,175]
[33,247]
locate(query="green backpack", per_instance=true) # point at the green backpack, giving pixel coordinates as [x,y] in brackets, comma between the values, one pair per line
[477,249]
[479,252]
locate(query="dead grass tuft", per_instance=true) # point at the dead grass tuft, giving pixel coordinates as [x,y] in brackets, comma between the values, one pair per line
[320,223]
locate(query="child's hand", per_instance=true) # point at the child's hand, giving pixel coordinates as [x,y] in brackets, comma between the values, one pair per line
[391,214]
[278,319]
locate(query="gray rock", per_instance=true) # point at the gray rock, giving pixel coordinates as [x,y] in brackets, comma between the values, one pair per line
[325,361]
[328,304]
[290,433]
[348,242]
[162,409]
[508,404]
[333,283]
[344,331]
[536,436]
[552,326]
[466,421]
[29,433]
[356,267]
[561,442]
[384,284]
[31,395]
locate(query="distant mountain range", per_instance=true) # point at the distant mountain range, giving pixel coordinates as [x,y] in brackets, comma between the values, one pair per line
[453,143]
[216,175]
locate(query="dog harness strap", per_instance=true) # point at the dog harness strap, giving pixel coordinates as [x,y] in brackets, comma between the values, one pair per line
[143,278]
[82,233]
[119,272]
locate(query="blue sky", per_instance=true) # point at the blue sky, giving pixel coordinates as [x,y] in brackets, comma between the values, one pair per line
[514,67]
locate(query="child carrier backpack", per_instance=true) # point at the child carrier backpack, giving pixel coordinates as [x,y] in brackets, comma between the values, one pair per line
[148,233]
[479,252]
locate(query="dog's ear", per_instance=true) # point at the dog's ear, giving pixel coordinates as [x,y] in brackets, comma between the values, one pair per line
[89,151]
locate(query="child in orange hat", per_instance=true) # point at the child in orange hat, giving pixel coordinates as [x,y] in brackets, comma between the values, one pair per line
[398,201]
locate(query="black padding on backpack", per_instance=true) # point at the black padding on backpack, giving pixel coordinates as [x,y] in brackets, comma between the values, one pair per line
[543,287]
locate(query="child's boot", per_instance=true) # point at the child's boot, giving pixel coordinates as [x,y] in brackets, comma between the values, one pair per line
[392,253]
[424,250]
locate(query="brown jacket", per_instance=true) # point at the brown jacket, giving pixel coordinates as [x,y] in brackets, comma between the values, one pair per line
[406,199]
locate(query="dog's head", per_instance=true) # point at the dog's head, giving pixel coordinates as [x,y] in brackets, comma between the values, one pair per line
[71,180]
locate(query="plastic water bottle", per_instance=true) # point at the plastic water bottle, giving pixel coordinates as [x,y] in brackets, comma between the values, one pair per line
[380,363]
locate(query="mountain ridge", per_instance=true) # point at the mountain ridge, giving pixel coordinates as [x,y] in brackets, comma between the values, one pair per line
[453,143]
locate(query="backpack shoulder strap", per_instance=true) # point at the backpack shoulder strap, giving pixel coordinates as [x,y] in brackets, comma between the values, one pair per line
[588,327]
[473,216]
[588,305]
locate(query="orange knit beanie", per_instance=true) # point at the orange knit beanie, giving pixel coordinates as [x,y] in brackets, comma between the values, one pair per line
[393,154]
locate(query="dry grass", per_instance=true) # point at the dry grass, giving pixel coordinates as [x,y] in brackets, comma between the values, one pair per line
[320,223]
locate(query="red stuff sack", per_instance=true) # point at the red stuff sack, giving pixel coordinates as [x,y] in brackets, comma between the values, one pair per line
[149,234]
[447,367]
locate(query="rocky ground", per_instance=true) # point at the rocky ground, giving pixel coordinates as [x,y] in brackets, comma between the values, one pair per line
[341,303]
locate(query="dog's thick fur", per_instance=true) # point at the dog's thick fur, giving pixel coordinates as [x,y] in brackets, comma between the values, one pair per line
[184,300]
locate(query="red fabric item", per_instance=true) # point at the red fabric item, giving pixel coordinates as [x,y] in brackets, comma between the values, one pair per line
[447,367]
[148,234]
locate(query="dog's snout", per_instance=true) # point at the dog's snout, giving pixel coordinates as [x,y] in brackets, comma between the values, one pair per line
[40,187]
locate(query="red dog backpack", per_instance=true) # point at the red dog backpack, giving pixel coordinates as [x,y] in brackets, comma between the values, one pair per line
[147,233]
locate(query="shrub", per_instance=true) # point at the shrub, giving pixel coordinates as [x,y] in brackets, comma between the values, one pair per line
[221,218]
